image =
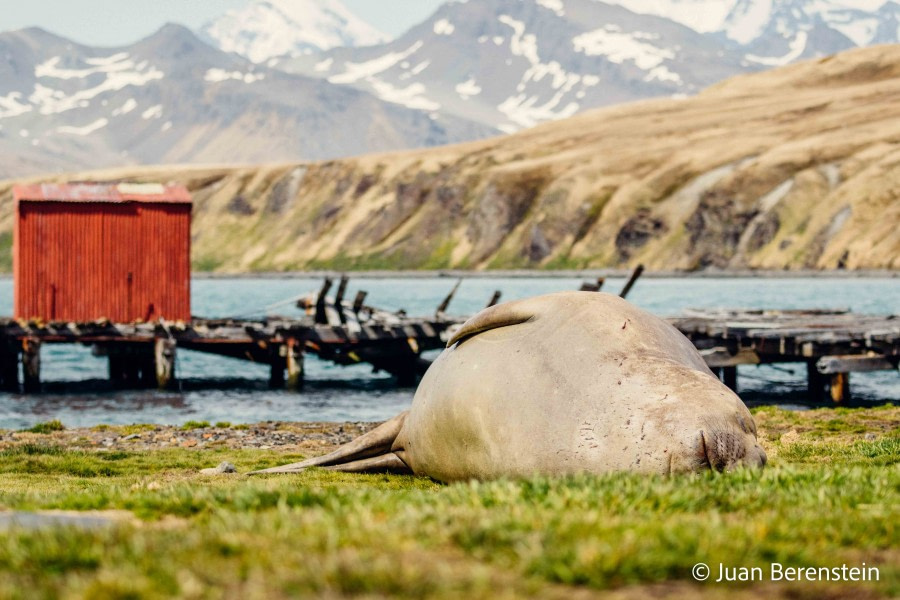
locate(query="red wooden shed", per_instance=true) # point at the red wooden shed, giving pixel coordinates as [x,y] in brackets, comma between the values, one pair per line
[89,251]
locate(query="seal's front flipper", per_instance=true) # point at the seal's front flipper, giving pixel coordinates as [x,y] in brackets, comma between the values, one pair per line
[386,463]
[376,443]
[501,315]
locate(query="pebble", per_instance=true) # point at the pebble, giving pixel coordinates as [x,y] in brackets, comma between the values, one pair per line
[223,468]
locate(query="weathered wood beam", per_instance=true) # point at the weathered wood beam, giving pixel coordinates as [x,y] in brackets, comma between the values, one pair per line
[830,365]
[442,308]
[720,357]
[635,275]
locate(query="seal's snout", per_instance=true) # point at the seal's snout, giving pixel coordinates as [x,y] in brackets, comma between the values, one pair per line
[723,450]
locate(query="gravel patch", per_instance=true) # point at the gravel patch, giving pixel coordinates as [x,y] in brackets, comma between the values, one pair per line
[272,435]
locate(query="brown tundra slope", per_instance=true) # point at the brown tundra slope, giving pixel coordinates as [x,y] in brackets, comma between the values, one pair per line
[793,168]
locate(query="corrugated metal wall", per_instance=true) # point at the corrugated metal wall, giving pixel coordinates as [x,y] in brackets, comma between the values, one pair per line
[86,261]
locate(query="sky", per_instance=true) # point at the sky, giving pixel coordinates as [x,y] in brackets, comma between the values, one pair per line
[93,23]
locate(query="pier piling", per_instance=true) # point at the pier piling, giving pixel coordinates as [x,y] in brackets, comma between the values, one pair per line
[294,364]
[164,362]
[31,365]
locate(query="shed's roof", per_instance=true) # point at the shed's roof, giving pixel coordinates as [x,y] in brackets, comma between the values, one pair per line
[102,192]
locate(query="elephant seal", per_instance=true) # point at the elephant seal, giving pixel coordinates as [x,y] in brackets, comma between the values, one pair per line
[559,384]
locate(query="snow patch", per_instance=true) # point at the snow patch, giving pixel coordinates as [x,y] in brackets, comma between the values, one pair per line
[662,73]
[118,70]
[415,70]
[323,66]
[797,46]
[107,60]
[353,72]
[619,47]
[554,5]
[527,109]
[521,44]
[166,126]
[154,112]
[444,27]
[85,130]
[272,28]
[748,20]
[410,96]
[217,75]
[126,108]
[467,89]
[420,67]
[10,105]
[113,64]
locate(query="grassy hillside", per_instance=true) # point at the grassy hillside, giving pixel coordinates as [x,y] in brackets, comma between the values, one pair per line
[793,168]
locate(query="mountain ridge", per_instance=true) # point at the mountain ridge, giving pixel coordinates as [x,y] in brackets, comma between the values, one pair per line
[795,168]
[539,60]
[171,97]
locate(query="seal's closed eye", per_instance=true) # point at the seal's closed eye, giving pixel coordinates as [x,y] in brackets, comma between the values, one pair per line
[502,315]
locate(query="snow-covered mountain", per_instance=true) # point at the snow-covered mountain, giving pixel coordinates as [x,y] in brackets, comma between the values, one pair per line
[271,28]
[777,32]
[511,64]
[171,98]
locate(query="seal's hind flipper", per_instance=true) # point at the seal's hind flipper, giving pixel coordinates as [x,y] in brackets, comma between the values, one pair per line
[385,463]
[374,444]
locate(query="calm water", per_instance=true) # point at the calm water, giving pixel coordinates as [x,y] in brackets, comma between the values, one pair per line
[222,389]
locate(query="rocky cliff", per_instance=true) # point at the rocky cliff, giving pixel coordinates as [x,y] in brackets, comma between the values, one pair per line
[793,168]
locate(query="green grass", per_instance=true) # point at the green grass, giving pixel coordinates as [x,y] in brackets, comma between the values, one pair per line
[195,425]
[47,427]
[828,497]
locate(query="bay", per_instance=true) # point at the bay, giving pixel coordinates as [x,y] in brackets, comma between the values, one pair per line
[220,389]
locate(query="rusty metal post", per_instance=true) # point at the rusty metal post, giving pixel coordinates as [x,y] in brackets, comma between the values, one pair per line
[839,386]
[31,365]
[164,362]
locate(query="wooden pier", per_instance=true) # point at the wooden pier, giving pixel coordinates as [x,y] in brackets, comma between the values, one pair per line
[832,344]
[143,354]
